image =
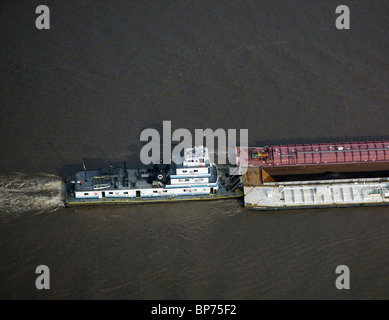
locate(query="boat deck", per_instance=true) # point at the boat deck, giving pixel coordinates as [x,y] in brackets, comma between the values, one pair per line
[229,187]
[136,179]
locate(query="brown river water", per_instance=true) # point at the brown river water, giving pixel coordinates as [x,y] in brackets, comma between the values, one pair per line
[106,70]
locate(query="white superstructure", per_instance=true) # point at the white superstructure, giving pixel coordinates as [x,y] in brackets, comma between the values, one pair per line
[196,170]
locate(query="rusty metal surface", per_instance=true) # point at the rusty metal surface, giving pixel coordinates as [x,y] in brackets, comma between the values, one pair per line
[320,153]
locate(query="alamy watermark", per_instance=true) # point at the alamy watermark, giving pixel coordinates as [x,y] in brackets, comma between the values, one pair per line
[42,281]
[43,20]
[226,144]
[343,21]
[342,281]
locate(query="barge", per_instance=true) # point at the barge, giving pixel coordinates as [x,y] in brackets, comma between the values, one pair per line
[194,178]
[297,176]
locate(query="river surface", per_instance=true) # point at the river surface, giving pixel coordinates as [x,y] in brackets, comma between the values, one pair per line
[107,70]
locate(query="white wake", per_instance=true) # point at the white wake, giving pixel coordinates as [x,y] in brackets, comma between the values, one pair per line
[20,192]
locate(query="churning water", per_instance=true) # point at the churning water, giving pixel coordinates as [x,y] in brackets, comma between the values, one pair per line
[20,192]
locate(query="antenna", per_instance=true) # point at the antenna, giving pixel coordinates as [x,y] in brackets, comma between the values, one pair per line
[125,178]
[83,164]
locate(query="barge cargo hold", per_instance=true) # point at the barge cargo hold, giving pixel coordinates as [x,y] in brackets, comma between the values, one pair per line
[315,175]
[317,194]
